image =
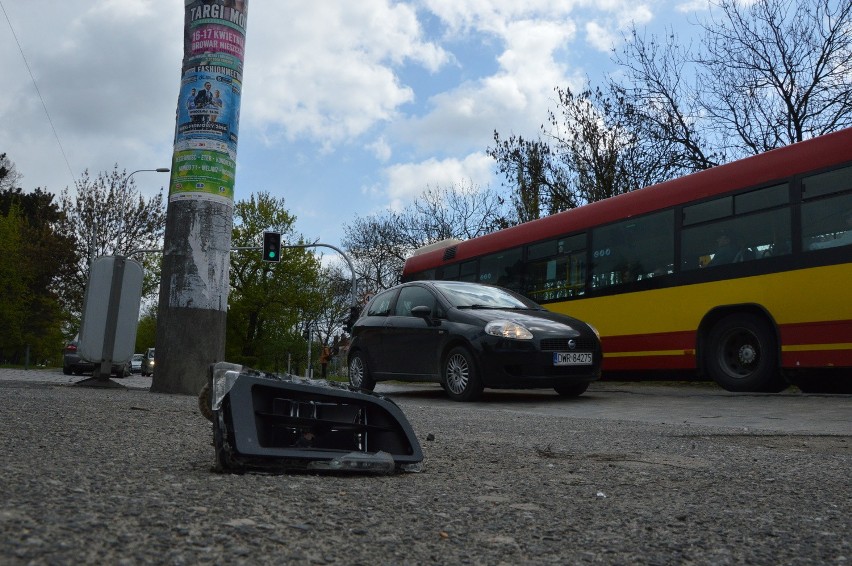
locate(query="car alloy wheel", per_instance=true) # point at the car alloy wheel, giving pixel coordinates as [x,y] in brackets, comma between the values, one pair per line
[359,376]
[460,379]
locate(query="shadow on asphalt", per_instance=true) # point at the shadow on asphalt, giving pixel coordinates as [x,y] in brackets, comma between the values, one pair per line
[511,396]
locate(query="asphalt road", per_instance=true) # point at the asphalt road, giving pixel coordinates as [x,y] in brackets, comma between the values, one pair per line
[629,473]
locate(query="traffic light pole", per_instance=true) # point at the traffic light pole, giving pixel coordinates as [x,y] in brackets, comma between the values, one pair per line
[354,298]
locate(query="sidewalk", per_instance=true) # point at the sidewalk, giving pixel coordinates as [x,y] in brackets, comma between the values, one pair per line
[55,376]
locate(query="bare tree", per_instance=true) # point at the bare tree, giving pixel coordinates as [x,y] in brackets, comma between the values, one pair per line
[9,175]
[766,74]
[379,244]
[462,211]
[375,244]
[592,148]
[662,90]
[96,221]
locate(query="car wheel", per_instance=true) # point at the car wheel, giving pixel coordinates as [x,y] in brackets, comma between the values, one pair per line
[205,402]
[67,371]
[742,355]
[571,389]
[461,380]
[359,373]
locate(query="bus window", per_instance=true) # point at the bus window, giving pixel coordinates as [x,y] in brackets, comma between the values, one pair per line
[503,269]
[556,269]
[827,183]
[633,250]
[736,240]
[541,249]
[827,223]
[451,272]
[429,274]
[706,211]
[762,199]
[467,271]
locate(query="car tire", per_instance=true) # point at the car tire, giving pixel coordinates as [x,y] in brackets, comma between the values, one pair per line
[205,403]
[742,355]
[571,389]
[460,377]
[67,371]
[359,372]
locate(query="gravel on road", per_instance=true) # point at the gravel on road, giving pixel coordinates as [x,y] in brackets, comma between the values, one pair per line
[125,476]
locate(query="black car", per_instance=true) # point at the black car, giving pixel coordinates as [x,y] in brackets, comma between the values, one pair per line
[73,363]
[468,336]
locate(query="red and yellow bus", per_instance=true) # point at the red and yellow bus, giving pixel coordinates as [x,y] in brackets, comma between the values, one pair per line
[742,272]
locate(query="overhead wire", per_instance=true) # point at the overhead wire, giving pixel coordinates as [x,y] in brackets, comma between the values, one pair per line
[38,91]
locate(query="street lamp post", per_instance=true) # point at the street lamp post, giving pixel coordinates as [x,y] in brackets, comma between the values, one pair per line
[124,198]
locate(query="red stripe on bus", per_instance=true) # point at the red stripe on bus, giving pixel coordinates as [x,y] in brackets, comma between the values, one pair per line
[829,332]
[817,359]
[684,340]
[642,363]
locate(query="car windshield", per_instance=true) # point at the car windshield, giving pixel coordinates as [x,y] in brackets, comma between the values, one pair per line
[472,295]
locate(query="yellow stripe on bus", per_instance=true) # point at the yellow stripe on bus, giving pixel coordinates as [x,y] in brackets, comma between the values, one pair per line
[816,347]
[807,295]
[649,353]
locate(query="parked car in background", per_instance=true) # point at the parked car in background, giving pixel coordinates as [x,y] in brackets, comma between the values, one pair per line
[469,336]
[136,363]
[72,363]
[148,362]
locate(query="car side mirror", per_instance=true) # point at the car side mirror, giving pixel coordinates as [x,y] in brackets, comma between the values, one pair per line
[425,313]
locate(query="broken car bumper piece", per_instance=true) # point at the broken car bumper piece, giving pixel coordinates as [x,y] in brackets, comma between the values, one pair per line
[280,423]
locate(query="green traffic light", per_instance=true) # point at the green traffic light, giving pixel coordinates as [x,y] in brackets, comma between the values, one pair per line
[271,255]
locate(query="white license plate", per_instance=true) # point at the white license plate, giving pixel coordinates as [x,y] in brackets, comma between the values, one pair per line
[572,358]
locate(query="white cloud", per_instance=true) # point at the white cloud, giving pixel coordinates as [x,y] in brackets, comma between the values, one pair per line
[693,6]
[381,149]
[407,181]
[515,98]
[600,37]
[99,68]
[327,73]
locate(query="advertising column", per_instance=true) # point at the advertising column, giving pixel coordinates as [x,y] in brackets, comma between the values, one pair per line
[194,284]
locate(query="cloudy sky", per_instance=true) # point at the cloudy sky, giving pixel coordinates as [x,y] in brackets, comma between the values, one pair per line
[348,107]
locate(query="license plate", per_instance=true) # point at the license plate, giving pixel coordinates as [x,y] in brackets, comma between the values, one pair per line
[572,358]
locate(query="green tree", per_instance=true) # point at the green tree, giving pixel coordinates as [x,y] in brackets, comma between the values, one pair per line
[30,316]
[146,331]
[34,256]
[270,304]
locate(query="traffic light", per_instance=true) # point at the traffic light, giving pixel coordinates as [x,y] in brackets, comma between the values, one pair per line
[272,247]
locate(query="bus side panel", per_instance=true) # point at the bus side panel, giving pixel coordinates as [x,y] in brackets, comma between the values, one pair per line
[641,328]
[817,344]
[665,351]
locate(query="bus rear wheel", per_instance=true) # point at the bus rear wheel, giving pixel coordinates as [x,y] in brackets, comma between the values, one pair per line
[742,354]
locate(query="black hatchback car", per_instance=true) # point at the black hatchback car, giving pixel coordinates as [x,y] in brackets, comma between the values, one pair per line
[468,336]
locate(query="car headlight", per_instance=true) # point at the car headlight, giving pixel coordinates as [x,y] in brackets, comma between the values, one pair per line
[508,329]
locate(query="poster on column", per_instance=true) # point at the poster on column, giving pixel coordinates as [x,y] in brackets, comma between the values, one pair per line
[202,170]
[210,106]
[208,114]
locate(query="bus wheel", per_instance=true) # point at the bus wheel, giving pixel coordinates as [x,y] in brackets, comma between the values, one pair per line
[359,374]
[461,381]
[742,355]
